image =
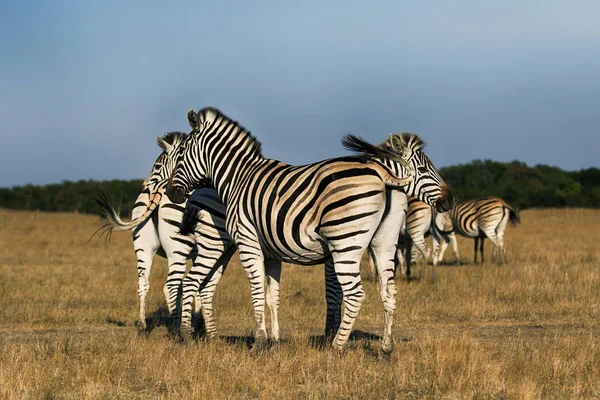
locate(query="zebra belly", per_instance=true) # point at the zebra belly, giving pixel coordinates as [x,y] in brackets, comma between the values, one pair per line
[471,232]
[315,252]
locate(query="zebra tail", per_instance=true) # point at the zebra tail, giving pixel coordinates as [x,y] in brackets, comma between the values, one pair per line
[359,145]
[113,221]
[513,215]
[188,222]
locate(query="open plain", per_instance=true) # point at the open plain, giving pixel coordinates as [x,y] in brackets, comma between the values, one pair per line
[526,329]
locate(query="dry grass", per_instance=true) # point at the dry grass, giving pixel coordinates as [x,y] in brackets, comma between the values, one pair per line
[527,329]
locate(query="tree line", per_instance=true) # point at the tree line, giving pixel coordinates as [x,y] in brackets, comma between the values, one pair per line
[520,185]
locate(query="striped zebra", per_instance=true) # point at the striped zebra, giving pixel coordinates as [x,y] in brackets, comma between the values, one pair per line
[443,234]
[327,212]
[422,221]
[156,223]
[483,218]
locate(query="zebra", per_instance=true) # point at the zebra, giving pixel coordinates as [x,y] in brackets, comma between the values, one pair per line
[327,212]
[480,219]
[161,228]
[442,234]
[156,223]
[421,221]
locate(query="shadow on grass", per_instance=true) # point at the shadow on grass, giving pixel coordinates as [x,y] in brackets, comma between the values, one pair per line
[322,342]
[245,341]
[156,319]
[449,263]
[115,322]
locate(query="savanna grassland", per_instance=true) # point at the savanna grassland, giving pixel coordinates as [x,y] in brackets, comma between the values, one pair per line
[529,328]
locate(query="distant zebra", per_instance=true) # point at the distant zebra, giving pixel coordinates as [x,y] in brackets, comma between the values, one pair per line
[422,221]
[443,233]
[483,218]
[412,245]
[156,222]
[327,212]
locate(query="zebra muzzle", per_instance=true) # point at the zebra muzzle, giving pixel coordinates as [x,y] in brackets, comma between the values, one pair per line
[176,194]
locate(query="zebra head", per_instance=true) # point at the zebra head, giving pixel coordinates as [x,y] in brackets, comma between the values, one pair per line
[191,169]
[427,185]
[171,145]
[403,154]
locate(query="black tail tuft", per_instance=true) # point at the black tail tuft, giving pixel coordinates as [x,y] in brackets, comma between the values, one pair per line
[514,216]
[188,222]
[108,212]
[102,201]
[360,145]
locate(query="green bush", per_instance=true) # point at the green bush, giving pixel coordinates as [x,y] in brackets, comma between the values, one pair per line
[520,185]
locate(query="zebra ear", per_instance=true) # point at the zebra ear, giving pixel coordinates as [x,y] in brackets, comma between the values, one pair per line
[163,144]
[193,120]
[397,144]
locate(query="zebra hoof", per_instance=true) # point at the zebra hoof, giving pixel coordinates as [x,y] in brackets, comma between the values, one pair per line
[140,324]
[338,350]
[259,346]
[275,340]
[387,348]
[142,328]
[186,333]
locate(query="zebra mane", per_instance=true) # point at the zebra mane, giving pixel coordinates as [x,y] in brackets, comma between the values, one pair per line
[410,140]
[218,114]
[174,137]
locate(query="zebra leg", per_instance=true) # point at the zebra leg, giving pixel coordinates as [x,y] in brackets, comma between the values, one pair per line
[146,243]
[173,286]
[384,252]
[384,260]
[408,252]
[201,283]
[497,251]
[372,268]
[347,270]
[499,232]
[198,312]
[452,238]
[178,249]
[481,249]
[273,271]
[420,251]
[207,292]
[252,260]
[333,297]
[439,248]
[476,245]
[189,293]
[400,257]
[144,267]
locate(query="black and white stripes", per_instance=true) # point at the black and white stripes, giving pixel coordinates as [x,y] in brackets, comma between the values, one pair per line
[156,223]
[327,212]
[484,218]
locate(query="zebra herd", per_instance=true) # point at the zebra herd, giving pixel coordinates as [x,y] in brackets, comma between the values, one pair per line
[477,219]
[212,192]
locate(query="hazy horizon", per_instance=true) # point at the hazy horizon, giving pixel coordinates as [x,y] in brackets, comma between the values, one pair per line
[86,87]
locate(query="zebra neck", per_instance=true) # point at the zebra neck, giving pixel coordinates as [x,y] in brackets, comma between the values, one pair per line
[397,170]
[232,167]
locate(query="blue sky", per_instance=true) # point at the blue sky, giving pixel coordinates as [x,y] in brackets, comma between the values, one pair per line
[85,87]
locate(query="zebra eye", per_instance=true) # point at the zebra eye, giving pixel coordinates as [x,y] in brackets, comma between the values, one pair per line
[422,169]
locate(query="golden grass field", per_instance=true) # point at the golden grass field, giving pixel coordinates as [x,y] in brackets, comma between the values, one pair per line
[529,328]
